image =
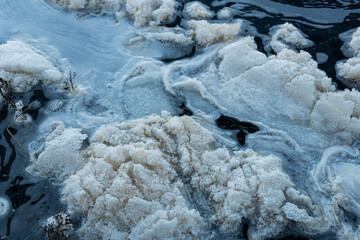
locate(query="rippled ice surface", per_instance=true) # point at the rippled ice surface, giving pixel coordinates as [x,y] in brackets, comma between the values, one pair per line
[113,89]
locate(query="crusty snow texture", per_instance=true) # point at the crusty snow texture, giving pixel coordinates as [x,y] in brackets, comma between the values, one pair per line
[129,188]
[209,33]
[197,10]
[23,67]
[291,83]
[349,70]
[288,36]
[60,157]
[144,12]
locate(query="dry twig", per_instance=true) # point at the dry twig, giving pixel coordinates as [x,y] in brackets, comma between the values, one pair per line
[7,129]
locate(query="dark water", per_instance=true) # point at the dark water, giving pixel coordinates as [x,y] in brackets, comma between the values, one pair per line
[35,199]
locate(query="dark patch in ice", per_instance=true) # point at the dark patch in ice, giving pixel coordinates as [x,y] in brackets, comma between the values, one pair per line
[241,137]
[5,169]
[40,97]
[176,23]
[17,193]
[3,112]
[291,237]
[260,45]
[3,173]
[185,111]
[321,3]
[245,231]
[230,123]
[8,226]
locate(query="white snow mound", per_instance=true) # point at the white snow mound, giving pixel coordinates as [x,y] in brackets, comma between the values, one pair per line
[197,10]
[207,33]
[129,187]
[144,12]
[60,156]
[349,71]
[22,67]
[287,35]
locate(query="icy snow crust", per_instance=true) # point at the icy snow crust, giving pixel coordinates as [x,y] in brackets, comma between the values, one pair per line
[349,71]
[144,12]
[287,35]
[132,186]
[166,177]
[23,67]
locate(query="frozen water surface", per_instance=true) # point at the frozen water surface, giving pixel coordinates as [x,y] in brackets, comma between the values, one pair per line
[269,150]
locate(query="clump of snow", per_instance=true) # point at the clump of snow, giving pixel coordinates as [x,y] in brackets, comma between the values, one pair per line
[153,12]
[144,12]
[77,5]
[281,76]
[337,112]
[224,14]
[354,43]
[198,11]
[129,187]
[59,157]
[207,33]
[23,66]
[171,38]
[287,35]
[288,84]
[349,71]
[243,55]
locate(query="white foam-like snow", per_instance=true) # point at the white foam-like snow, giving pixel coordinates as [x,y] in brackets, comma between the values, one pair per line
[129,187]
[23,67]
[197,10]
[287,35]
[143,12]
[225,13]
[207,33]
[288,84]
[354,43]
[59,157]
[337,112]
[348,71]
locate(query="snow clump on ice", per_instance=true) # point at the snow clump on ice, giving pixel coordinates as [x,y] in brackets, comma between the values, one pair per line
[349,70]
[144,12]
[207,33]
[23,67]
[198,11]
[241,69]
[287,35]
[59,157]
[129,187]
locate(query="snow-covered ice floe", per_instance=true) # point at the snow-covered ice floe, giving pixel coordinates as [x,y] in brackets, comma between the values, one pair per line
[287,35]
[348,71]
[23,67]
[143,12]
[132,185]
